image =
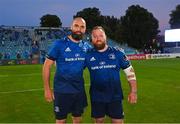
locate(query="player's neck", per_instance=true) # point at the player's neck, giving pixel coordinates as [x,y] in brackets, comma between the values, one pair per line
[104,49]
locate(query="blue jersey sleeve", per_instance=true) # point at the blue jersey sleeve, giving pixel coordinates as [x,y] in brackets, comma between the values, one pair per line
[123,60]
[53,52]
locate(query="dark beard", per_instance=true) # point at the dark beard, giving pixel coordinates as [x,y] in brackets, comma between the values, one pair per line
[77,37]
[100,47]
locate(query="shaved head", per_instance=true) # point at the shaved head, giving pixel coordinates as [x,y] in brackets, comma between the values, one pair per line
[79,19]
[78,28]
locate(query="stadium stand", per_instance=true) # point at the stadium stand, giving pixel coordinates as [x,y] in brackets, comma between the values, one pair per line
[18,42]
[27,42]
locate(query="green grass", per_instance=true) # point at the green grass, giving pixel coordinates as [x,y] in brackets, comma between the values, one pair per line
[158,94]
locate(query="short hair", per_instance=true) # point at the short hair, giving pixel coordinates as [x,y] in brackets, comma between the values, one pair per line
[98,27]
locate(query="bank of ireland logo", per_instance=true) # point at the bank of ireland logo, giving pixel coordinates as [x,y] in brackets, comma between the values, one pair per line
[77,55]
[102,62]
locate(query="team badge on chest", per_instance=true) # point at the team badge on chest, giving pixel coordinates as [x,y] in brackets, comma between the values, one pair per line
[112,56]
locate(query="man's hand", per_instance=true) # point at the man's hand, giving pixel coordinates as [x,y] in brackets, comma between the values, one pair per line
[49,95]
[132,97]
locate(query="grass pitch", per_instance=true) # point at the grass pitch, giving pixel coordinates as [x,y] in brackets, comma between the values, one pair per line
[22,98]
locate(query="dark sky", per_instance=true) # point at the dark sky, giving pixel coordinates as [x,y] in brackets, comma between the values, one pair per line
[28,12]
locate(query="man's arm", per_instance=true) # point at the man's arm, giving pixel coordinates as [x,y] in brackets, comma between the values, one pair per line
[131,77]
[49,96]
[132,97]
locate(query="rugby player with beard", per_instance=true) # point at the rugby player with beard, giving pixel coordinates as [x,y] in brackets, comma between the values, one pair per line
[68,91]
[104,64]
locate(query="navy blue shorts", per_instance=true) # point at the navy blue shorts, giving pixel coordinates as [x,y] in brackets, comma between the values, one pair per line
[113,109]
[69,103]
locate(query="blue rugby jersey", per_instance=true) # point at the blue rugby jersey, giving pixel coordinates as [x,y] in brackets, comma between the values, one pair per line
[104,68]
[69,57]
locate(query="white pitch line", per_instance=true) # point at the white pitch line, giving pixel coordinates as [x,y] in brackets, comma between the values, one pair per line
[28,90]
[21,91]
[19,75]
[28,74]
